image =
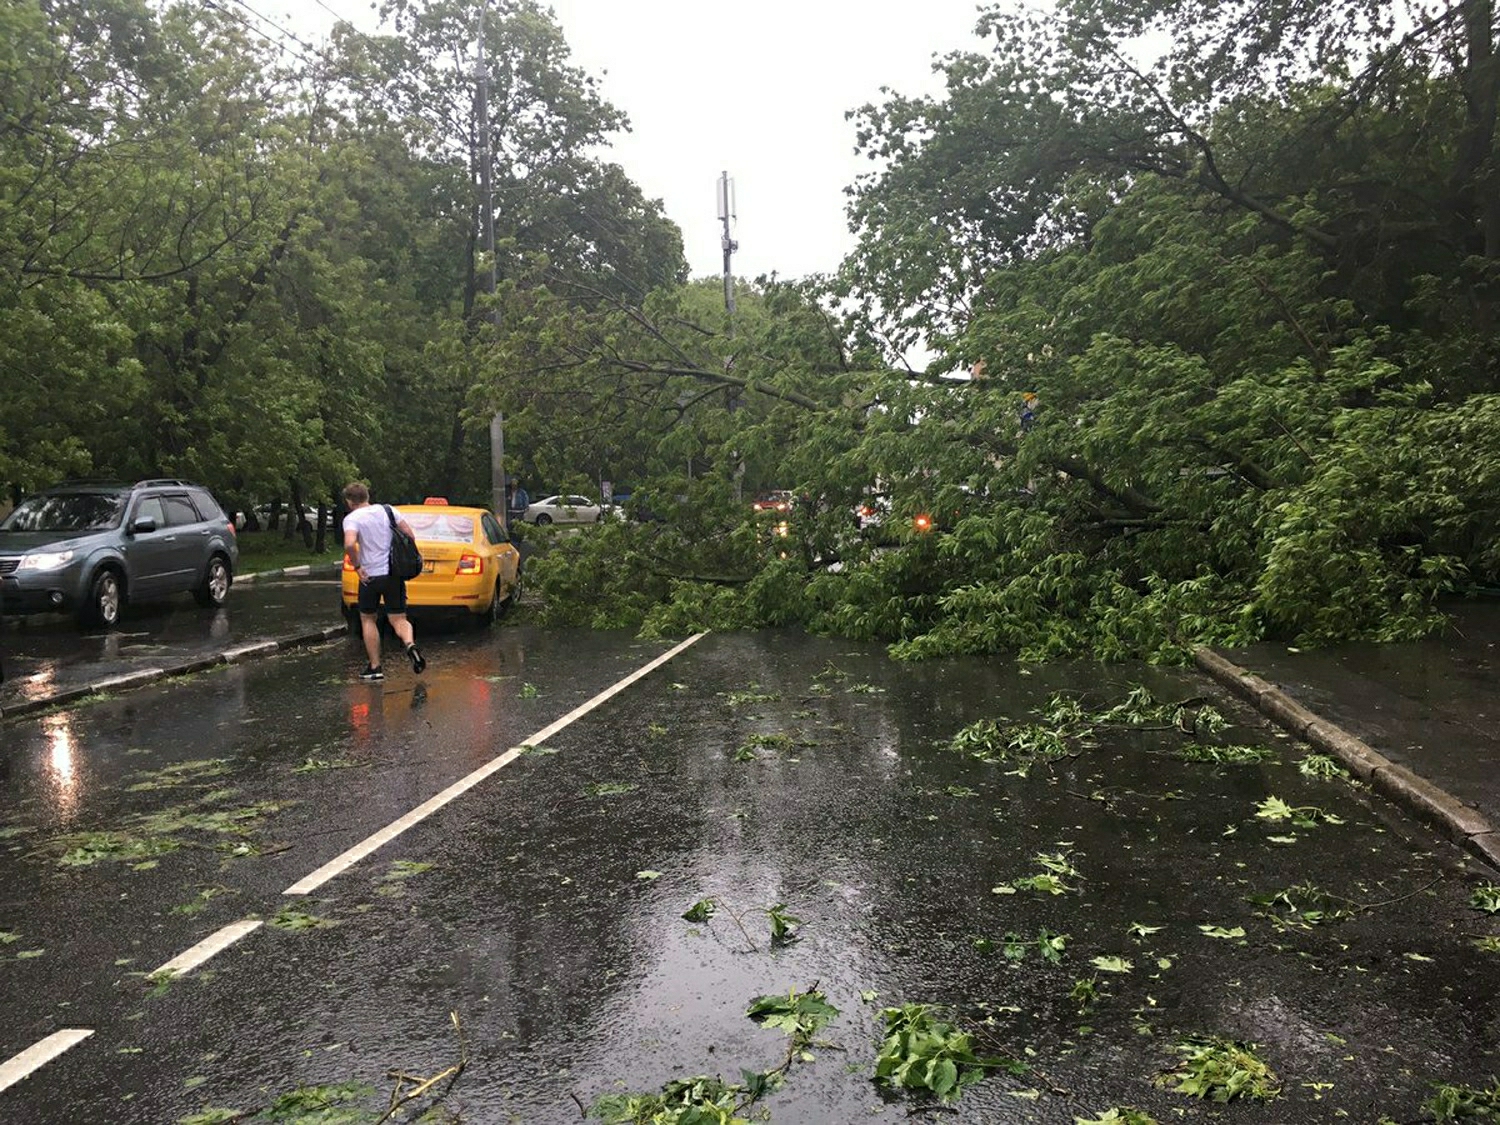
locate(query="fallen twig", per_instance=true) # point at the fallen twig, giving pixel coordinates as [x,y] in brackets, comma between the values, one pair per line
[399,1099]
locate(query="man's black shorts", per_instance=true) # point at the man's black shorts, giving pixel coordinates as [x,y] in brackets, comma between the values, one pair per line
[382,586]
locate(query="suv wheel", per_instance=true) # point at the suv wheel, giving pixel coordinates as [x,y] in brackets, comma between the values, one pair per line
[104,600]
[215,585]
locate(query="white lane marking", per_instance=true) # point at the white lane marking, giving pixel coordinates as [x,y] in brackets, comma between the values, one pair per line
[608,693]
[348,859]
[40,1054]
[210,946]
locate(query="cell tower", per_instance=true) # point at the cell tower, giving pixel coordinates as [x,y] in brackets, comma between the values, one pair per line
[726,216]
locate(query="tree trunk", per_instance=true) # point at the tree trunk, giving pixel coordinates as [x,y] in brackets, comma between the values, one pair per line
[297,520]
[1474,179]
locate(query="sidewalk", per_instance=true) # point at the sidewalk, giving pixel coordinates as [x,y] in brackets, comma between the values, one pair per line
[53,662]
[1430,706]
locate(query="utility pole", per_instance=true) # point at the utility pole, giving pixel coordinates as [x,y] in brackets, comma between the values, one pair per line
[487,226]
[726,215]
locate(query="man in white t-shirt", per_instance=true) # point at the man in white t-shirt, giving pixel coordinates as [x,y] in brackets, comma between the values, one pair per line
[367,539]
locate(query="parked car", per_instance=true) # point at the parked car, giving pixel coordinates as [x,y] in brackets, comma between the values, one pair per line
[870,513]
[90,548]
[776,500]
[288,512]
[565,509]
[468,562]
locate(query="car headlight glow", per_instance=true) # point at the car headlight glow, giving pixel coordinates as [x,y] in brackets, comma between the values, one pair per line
[46,560]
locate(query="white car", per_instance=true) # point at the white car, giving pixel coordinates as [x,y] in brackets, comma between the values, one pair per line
[564,509]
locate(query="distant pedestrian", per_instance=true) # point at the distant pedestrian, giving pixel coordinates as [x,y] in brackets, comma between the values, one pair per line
[367,539]
[517,502]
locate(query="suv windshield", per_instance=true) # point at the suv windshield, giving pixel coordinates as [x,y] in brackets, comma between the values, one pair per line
[73,512]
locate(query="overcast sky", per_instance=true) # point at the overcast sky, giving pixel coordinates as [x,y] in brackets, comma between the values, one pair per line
[759,89]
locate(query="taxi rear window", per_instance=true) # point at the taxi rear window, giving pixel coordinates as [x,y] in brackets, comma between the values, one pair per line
[441,528]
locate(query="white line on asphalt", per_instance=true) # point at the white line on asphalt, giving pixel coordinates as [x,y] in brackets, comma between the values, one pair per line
[40,1054]
[348,859]
[210,946]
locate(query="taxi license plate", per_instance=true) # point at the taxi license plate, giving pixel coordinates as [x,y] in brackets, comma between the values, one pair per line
[427,566]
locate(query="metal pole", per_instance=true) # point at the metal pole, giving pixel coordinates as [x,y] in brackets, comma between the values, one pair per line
[729,245]
[487,208]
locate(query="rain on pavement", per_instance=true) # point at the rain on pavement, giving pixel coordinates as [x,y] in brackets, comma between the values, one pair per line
[49,653]
[550,917]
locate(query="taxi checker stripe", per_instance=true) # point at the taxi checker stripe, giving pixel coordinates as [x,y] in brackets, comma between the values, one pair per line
[372,843]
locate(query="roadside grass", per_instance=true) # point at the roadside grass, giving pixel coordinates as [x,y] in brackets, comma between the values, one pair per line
[270,550]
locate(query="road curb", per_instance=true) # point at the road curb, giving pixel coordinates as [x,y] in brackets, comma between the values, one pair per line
[302,571]
[126,681]
[1460,822]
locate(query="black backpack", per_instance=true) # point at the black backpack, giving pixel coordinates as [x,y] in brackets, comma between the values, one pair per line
[406,559]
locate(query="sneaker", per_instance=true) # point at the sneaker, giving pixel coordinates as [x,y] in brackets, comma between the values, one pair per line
[371,674]
[418,661]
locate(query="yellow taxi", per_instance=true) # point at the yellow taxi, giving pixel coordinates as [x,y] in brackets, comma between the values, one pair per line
[468,562]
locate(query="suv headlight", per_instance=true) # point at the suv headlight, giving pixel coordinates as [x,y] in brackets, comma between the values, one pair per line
[46,560]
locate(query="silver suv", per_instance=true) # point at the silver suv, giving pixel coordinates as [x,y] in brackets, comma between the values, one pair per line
[88,547]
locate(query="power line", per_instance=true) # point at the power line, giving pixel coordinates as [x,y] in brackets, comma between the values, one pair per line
[239,21]
[331,12]
[278,27]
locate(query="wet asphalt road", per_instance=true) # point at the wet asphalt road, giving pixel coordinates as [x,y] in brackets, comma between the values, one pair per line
[50,653]
[573,973]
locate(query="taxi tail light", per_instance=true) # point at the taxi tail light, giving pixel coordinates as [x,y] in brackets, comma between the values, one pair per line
[922,522]
[470,564]
[348,566]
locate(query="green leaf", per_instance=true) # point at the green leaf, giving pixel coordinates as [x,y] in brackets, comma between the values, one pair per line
[1220,932]
[1486,898]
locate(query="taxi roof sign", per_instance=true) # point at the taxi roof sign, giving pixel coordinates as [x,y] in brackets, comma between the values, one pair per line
[437,501]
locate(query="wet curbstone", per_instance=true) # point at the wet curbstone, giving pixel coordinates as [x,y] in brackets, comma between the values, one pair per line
[1486,845]
[1359,756]
[127,680]
[289,572]
[241,653]
[318,636]
[29,706]
[1282,708]
[1437,805]
[201,664]
[1462,823]
[1244,684]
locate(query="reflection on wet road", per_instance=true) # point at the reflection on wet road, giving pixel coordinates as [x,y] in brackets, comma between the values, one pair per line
[545,905]
[47,654]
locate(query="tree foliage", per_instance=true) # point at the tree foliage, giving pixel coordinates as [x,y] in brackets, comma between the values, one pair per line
[262,270]
[1210,292]
[1243,254]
